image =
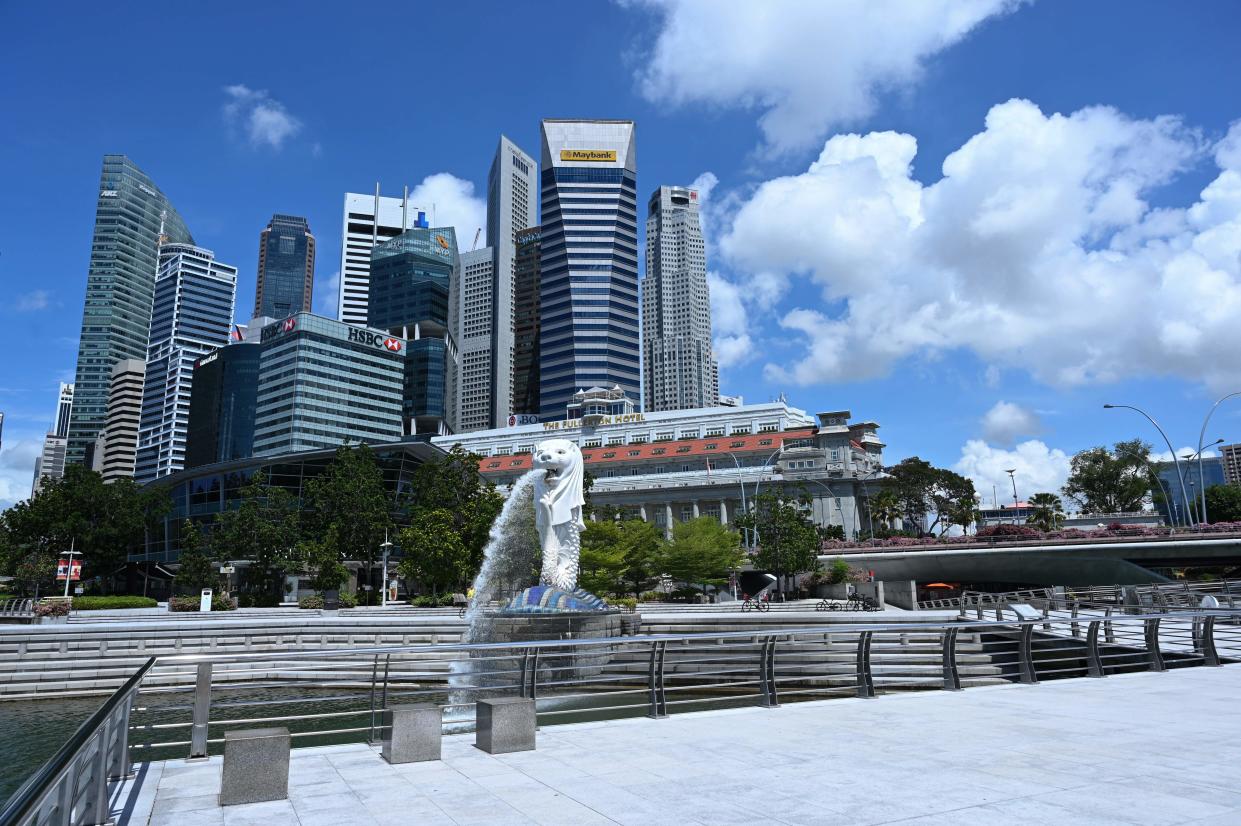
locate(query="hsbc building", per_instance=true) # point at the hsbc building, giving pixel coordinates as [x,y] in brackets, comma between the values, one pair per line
[322,382]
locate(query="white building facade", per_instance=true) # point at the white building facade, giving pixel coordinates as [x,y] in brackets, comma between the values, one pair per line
[673,466]
[512,206]
[678,369]
[368,221]
[475,328]
[116,447]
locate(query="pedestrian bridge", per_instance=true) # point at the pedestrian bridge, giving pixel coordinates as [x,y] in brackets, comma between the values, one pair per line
[1082,562]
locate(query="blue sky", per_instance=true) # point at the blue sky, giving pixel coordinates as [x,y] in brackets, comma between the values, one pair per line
[981,312]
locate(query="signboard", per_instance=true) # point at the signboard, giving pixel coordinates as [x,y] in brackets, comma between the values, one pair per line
[204,601]
[227,569]
[520,419]
[360,335]
[590,155]
[572,424]
[69,570]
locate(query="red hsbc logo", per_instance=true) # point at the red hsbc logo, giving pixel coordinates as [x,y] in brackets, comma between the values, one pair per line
[393,344]
[289,324]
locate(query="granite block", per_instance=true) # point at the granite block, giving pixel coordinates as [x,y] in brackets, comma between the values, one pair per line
[504,725]
[256,766]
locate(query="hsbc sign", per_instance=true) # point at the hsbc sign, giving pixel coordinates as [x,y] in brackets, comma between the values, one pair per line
[370,339]
[289,324]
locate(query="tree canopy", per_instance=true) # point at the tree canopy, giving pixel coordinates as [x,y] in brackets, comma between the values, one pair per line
[1224,503]
[920,489]
[1047,511]
[195,568]
[620,556]
[702,551]
[434,551]
[1111,481]
[264,528]
[788,541]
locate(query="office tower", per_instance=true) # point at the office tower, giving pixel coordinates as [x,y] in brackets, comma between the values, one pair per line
[368,220]
[678,370]
[130,217]
[589,262]
[192,314]
[512,194]
[323,383]
[224,401]
[117,445]
[416,295]
[64,410]
[476,325]
[526,323]
[286,277]
[1230,459]
[50,462]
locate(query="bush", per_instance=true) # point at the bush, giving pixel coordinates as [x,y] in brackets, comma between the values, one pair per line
[651,596]
[106,603]
[1007,530]
[51,608]
[431,601]
[312,601]
[624,602]
[258,601]
[190,604]
[348,600]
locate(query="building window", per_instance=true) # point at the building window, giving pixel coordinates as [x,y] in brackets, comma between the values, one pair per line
[768,427]
[714,431]
[593,443]
[660,517]
[711,446]
[665,436]
[689,434]
[835,455]
[736,444]
[638,439]
[659,451]
[687,513]
[615,440]
[611,454]
[685,468]
[741,430]
[765,442]
[683,449]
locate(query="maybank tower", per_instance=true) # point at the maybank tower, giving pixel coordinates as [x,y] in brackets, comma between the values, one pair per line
[589,261]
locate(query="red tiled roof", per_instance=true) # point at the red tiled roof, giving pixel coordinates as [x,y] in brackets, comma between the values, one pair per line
[752,443]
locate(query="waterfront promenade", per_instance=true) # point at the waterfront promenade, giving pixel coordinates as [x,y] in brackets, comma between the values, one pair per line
[1146,748]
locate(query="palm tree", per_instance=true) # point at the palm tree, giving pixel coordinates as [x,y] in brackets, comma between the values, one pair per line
[885,508]
[1047,512]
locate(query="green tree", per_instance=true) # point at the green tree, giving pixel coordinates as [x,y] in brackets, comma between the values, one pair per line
[103,522]
[263,529]
[954,500]
[1224,503]
[1047,512]
[885,508]
[453,484]
[702,551]
[619,556]
[195,569]
[36,573]
[920,489]
[788,541]
[349,514]
[433,551]
[1110,481]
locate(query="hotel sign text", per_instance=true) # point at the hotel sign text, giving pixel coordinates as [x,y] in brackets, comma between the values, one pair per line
[573,424]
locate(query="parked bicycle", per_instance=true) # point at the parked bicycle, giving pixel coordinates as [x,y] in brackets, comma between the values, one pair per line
[755,604]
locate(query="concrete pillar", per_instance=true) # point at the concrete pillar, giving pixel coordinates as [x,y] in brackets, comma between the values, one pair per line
[667,520]
[642,512]
[723,512]
[695,504]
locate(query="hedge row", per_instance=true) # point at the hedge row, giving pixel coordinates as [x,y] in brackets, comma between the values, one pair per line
[105,603]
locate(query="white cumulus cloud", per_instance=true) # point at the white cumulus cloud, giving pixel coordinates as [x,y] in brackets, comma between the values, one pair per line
[1036,250]
[34,300]
[327,294]
[807,65]
[451,202]
[731,342]
[1039,469]
[17,468]
[1005,422]
[1165,456]
[265,120]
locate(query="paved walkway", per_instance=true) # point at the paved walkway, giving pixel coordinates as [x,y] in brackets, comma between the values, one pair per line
[1140,748]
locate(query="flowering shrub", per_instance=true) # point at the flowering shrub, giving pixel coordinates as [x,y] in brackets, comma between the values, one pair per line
[52,608]
[311,601]
[189,604]
[1018,533]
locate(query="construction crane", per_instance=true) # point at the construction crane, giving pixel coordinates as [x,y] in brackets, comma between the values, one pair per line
[477,233]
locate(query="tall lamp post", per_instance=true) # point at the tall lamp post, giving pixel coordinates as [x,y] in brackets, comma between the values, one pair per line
[1201,435]
[1175,459]
[763,464]
[741,481]
[1013,478]
[386,546]
[1200,502]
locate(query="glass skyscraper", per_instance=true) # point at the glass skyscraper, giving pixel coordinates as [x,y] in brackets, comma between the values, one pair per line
[130,215]
[286,275]
[526,323]
[190,316]
[589,262]
[323,382]
[415,293]
[221,422]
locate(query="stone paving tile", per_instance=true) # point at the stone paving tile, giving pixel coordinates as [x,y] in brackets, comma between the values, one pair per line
[259,814]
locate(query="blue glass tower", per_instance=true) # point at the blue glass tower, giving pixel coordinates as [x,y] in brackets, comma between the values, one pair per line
[415,294]
[286,275]
[222,406]
[588,292]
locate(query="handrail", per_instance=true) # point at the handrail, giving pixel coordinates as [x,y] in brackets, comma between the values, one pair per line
[33,793]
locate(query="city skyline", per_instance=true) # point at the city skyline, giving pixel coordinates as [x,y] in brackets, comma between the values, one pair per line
[987,383]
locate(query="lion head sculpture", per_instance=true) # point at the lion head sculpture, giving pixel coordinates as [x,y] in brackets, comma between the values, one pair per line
[561,486]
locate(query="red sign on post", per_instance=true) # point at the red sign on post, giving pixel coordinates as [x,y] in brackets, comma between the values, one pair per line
[69,570]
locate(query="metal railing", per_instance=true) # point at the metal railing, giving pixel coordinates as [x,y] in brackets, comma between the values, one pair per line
[71,789]
[23,608]
[342,694]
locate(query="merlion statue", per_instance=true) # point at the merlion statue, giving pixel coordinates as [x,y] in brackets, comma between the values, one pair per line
[558,501]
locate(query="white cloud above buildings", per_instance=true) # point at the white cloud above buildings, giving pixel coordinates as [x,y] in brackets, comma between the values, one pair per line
[263,119]
[33,301]
[1038,469]
[1005,422]
[1036,250]
[806,65]
[452,203]
[17,468]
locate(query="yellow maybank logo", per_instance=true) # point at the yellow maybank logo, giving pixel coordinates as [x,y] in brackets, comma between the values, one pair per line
[596,155]
[442,241]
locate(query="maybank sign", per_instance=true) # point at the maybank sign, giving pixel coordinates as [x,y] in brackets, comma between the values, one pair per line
[589,155]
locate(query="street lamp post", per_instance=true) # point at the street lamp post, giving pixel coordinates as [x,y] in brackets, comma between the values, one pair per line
[1200,511]
[1175,459]
[763,464]
[1013,478]
[741,481]
[386,546]
[1201,435]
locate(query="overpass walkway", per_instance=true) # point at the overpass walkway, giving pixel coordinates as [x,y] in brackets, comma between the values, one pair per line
[1132,749]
